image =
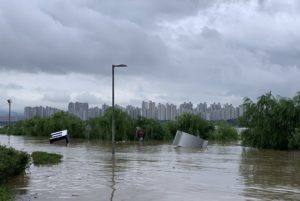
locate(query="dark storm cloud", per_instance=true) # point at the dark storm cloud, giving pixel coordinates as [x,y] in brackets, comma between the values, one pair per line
[62,37]
[190,50]
[146,13]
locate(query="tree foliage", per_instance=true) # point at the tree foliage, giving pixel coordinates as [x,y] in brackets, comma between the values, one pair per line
[125,126]
[44,126]
[271,122]
[195,125]
[224,133]
[101,127]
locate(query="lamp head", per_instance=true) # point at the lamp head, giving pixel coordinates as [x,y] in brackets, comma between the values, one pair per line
[120,65]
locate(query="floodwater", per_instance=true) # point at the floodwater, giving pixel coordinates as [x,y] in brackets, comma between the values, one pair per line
[156,171]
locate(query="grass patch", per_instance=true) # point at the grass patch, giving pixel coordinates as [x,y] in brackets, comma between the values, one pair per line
[5,193]
[44,158]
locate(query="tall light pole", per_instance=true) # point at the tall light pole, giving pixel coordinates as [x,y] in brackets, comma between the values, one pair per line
[9,106]
[113,106]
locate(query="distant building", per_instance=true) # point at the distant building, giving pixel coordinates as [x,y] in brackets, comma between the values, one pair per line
[186,108]
[133,112]
[161,112]
[145,109]
[83,111]
[150,109]
[94,112]
[39,111]
[104,108]
[171,112]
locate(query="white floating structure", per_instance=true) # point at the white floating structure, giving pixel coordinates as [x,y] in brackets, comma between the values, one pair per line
[60,135]
[183,139]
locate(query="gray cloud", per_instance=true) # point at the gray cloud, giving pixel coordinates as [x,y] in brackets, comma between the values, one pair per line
[69,37]
[198,50]
[89,98]
[57,97]
[10,86]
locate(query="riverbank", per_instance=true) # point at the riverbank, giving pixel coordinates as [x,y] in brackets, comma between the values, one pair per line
[12,163]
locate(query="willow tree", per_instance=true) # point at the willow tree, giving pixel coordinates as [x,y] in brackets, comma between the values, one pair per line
[271,122]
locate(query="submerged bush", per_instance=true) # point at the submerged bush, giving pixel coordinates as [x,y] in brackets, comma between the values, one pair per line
[224,133]
[5,193]
[194,125]
[12,162]
[44,158]
[45,126]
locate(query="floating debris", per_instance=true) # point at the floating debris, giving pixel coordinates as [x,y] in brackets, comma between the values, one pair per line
[183,139]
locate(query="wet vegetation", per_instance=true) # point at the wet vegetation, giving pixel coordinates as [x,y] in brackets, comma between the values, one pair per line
[224,133]
[5,193]
[272,122]
[100,127]
[12,163]
[194,124]
[44,158]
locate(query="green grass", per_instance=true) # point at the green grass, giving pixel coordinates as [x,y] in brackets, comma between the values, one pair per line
[5,193]
[44,158]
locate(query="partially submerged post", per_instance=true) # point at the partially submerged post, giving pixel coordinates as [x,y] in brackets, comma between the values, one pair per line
[9,114]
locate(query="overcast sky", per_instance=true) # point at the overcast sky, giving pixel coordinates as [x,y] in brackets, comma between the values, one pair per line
[56,51]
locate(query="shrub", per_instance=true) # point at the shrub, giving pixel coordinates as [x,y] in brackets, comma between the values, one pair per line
[195,125]
[5,193]
[44,158]
[224,133]
[12,162]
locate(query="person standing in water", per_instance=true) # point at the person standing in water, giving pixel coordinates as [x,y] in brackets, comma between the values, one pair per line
[140,133]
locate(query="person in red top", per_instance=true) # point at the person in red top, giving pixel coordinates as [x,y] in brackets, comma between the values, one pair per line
[140,133]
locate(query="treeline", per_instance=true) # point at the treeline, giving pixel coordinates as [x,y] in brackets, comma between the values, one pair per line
[272,122]
[100,127]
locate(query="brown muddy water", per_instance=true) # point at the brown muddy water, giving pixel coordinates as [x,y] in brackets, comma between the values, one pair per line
[156,171]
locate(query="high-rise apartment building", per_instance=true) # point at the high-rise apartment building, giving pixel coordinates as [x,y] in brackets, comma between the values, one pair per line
[149,109]
[145,109]
[39,111]
[133,112]
[161,112]
[186,108]
[171,112]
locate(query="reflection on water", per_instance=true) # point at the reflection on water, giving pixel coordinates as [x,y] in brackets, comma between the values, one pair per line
[157,172]
[113,182]
[271,175]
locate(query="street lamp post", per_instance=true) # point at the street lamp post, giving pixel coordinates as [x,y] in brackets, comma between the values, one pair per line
[113,106]
[9,106]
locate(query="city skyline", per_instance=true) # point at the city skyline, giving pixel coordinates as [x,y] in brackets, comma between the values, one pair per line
[53,52]
[150,109]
